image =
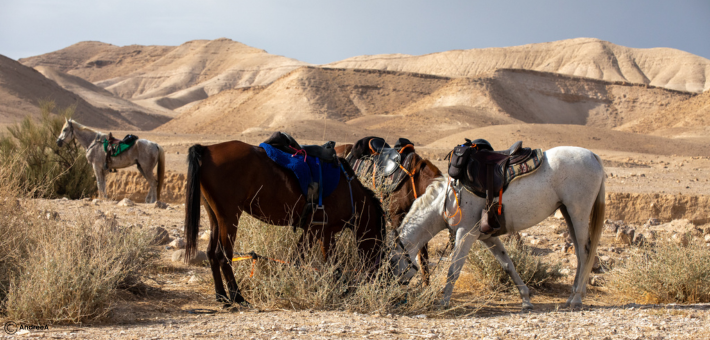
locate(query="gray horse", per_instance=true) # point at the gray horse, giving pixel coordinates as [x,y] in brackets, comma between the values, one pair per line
[144,154]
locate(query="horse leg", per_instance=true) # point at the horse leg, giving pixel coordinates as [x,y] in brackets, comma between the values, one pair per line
[227,237]
[147,173]
[212,254]
[579,230]
[424,263]
[100,174]
[495,246]
[464,241]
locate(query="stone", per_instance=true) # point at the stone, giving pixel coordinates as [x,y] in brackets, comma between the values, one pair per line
[565,271]
[607,261]
[126,203]
[680,239]
[160,205]
[639,240]
[193,279]
[612,228]
[205,236]
[597,264]
[178,243]
[200,257]
[558,215]
[96,201]
[625,236]
[596,281]
[161,236]
[707,238]
[650,235]
[653,221]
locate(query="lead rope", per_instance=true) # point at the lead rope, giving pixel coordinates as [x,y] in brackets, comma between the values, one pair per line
[458,206]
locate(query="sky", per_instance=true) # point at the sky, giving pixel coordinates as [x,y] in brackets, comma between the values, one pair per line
[323,31]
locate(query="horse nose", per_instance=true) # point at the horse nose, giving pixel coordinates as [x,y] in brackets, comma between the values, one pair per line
[59,143]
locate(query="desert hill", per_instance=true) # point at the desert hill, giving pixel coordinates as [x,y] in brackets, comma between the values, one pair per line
[392,103]
[22,89]
[584,57]
[169,77]
[139,116]
[686,118]
[546,136]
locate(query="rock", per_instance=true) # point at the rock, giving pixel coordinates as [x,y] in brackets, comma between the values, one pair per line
[200,257]
[653,221]
[625,236]
[596,281]
[650,235]
[558,215]
[205,236]
[612,228]
[707,238]
[161,236]
[50,215]
[193,279]
[178,243]
[597,264]
[570,249]
[607,261]
[96,201]
[680,239]
[565,271]
[160,205]
[126,203]
[639,240]
[535,241]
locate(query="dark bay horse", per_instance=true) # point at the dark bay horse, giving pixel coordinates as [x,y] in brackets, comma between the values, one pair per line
[421,173]
[235,177]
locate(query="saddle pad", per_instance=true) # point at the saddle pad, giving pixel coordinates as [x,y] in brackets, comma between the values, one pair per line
[306,172]
[123,146]
[517,170]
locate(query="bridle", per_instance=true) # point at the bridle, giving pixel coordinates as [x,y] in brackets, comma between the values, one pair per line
[411,265]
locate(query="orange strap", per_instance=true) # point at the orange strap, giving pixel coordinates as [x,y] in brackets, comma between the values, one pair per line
[500,202]
[411,176]
[369,144]
[405,148]
[458,207]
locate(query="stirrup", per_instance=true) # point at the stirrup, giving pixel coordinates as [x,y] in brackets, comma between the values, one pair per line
[325,216]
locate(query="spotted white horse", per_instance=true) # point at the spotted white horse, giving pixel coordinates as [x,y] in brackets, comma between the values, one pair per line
[144,154]
[570,178]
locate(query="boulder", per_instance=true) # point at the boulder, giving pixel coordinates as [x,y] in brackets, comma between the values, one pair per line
[199,259]
[161,236]
[126,203]
[178,243]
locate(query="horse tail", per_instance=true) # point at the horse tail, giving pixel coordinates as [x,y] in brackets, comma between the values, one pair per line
[192,200]
[596,221]
[161,171]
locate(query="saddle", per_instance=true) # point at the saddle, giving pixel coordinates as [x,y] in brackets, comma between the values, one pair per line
[383,160]
[484,172]
[114,146]
[288,144]
[314,196]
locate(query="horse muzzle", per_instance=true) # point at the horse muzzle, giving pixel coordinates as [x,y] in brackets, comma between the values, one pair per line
[60,143]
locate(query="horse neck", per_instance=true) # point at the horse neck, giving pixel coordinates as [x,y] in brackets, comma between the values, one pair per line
[86,137]
[424,220]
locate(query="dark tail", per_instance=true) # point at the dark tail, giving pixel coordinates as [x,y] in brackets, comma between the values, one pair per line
[192,200]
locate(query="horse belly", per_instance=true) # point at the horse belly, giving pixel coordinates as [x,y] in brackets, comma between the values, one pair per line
[529,200]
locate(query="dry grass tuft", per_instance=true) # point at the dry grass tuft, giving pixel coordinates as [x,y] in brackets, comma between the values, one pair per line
[664,273]
[531,268]
[58,271]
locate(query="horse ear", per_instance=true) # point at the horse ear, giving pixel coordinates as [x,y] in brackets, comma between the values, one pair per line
[65,120]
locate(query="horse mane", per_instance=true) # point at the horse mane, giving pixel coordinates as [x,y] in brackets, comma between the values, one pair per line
[429,195]
[81,127]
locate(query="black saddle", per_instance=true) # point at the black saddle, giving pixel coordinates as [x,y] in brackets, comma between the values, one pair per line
[128,139]
[482,171]
[288,144]
[373,156]
[366,147]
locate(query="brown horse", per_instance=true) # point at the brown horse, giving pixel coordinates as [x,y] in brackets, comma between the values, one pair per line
[421,173]
[235,177]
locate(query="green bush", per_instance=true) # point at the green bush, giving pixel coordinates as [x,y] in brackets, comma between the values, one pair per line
[664,273]
[42,168]
[531,268]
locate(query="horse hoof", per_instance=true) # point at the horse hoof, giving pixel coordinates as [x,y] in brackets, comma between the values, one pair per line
[527,306]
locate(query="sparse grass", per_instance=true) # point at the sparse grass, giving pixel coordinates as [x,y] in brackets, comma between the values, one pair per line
[533,270]
[664,273]
[61,271]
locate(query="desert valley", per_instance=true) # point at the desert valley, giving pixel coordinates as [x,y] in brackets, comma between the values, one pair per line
[645,112]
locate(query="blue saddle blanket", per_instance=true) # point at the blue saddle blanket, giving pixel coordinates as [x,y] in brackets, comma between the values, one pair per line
[306,172]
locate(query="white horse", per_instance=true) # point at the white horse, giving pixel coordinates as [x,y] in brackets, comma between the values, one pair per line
[570,178]
[144,154]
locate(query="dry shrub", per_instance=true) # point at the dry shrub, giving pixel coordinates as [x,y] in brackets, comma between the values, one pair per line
[57,271]
[341,283]
[45,169]
[664,273]
[533,270]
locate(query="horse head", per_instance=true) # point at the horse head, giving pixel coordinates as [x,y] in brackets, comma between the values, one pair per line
[67,132]
[402,266]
